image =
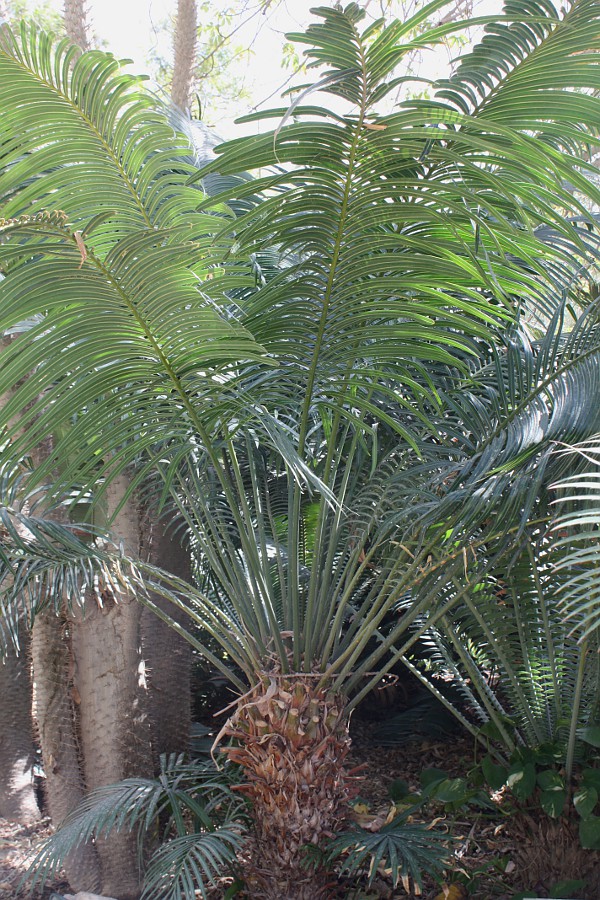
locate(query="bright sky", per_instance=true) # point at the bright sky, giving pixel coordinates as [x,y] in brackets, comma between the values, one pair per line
[131,29]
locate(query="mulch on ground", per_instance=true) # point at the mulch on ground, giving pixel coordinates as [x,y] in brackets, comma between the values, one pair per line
[494,855]
[17,848]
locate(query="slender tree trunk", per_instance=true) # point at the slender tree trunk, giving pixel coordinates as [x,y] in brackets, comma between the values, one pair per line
[167,656]
[184,53]
[55,713]
[291,739]
[76,22]
[17,795]
[112,704]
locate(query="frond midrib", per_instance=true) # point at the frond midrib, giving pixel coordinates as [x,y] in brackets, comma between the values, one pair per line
[480,107]
[107,148]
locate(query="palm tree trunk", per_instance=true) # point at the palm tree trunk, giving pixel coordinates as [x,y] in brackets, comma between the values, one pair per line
[291,738]
[114,738]
[17,795]
[167,656]
[76,23]
[110,689]
[55,715]
[184,53]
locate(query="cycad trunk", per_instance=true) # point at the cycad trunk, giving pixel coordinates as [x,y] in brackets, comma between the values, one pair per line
[291,738]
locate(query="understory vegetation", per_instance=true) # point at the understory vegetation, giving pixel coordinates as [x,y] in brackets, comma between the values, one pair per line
[350,368]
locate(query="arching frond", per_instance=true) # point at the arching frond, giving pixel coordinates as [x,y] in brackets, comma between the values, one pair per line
[332,347]
[408,850]
[576,537]
[191,863]
[42,562]
[537,51]
[161,349]
[488,594]
[203,826]
[82,137]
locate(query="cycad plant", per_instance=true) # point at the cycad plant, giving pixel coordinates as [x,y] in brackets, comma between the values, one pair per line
[506,642]
[271,409]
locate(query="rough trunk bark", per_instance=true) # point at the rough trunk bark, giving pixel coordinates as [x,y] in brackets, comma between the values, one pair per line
[110,691]
[17,794]
[167,656]
[76,24]
[112,723]
[184,53]
[55,716]
[292,741]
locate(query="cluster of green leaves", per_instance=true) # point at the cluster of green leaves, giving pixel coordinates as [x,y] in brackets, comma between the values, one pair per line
[576,537]
[400,846]
[437,787]
[536,778]
[502,636]
[358,436]
[407,850]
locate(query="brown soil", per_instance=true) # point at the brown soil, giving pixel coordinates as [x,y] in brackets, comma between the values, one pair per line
[17,848]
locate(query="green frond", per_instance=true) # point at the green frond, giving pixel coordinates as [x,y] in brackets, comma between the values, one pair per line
[489,596]
[472,194]
[409,851]
[43,562]
[136,326]
[183,796]
[191,863]
[575,537]
[70,114]
[534,69]
[330,385]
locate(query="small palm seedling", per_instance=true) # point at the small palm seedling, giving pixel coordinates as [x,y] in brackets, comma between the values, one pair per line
[402,850]
[190,827]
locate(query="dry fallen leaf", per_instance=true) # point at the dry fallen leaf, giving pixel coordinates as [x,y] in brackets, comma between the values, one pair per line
[453,892]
